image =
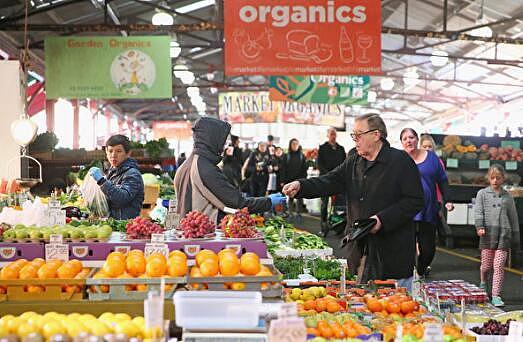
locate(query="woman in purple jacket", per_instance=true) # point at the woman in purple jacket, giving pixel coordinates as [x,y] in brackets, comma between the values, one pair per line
[432,173]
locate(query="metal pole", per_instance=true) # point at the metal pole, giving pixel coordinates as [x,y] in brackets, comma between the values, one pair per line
[445,7]
[406,22]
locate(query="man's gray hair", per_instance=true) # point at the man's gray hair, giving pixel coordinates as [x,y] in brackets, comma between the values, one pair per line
[375,122]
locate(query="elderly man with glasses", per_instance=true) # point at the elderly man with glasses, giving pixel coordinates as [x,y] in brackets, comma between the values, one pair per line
[380,182]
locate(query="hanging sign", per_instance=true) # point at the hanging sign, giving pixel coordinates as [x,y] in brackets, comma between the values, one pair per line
[180,130]
[108,67]
[302,37]
[348,90]
[254,107]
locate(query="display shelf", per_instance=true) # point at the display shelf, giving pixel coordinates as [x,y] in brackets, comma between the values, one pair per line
[13,251]
[475,165]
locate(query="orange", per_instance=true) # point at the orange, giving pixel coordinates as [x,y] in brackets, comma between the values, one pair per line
[237,286]
[55,263]
[374,305]
[38,262]
[34,289]
[407,307]
[135,265]
[250,255]
[176,267]
[168,287]
[76,264]
[392,307]
[9,272]
[321,305]
[20,263]
[141,287]
[103,288]
[116,255]
[28,271]
[229,267]
[128,287]
[134,252]
[66,271]
[309,305]
[82,274]
[195,273]
[46,271]
[209,268]
[332,306]
[113,267]
[156,267]
[178,253]
[225,251]
[249,265]
[156,256]
[205,254]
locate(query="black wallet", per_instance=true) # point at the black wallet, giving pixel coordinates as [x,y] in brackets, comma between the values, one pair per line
[359,229]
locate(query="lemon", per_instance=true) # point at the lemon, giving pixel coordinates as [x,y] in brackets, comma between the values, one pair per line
[106,316]
[127,328]
[74,316]
[99,329]
[122,317]
[86,318]
[13,324]
[52,328]
[138,320]
[26,315]
[75,328]
[36,321]
[5,319]
[26,329]
[3,330]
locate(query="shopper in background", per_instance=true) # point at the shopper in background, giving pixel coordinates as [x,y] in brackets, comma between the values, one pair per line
[246,152]
[257,170]
[123,184]
[330,155]
[379,182]
[232,162]
[498,228]
[200,185]
[432,174]
[181,159]
[277,167]
[270,145]
[295,167]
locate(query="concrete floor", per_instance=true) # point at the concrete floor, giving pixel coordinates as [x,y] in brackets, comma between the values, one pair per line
[457,263]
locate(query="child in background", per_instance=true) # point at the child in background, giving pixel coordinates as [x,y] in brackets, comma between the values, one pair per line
[498,228]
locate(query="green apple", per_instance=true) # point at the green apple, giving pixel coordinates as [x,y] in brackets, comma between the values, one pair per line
[46,233]
[90,234]
[9,234]
[104,232]
[35,234]
[19,226]
[22,234]
[75,234]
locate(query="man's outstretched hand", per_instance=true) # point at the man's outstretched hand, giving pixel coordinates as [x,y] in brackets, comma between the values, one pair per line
[291,189]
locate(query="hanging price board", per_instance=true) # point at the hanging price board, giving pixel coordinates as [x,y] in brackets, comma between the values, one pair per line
[151,248]
[54,204]
[58,251]
[511,165]
[452,163]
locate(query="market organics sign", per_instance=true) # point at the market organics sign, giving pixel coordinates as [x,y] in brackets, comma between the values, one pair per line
[108,67]
[348,90]
[252,107]
[302,37]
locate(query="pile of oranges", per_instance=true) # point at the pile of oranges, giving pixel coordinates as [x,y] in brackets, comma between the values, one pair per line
[227,264]
[394,306]
[334,329]
[136,265]
[326,304]
[38,268]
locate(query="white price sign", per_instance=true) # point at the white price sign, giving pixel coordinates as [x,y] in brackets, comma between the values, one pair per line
[515,331]
[288,330]
[54,204]
[157,238]
[58,251]
[151,248]
[56,217]
[56,239]
[288,310]
[172,205]
[172,220]
[433,332]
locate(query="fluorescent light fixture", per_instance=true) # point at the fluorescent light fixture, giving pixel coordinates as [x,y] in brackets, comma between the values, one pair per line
[411,77]
[175,49]
[439,58]
[387,83]
[206,53]
[484,31]
[162,18]
[195,6]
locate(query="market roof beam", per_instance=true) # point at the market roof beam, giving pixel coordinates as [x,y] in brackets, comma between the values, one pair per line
[81,28]
[39,10]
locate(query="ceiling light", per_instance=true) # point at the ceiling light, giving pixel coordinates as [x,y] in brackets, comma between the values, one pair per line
[484,31]
[195,6]
[439,58]
[175,49]
[206,53]
[371,96]
[210,76]
[162,18]
[387,83]
[213,90]
[187,78]
[411,77]
[23,131]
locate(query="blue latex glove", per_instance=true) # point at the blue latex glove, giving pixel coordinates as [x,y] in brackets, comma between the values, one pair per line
[276,199]
[96,173]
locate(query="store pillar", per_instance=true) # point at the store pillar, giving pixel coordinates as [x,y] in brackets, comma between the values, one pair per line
[49,114]
[76,124]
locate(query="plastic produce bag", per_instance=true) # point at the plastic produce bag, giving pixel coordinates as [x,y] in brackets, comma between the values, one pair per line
[159,212]
[94,197]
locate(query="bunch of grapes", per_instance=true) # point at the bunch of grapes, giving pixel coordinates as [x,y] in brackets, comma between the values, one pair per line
[196,225]
[239,225]
[142,228]
[493,327]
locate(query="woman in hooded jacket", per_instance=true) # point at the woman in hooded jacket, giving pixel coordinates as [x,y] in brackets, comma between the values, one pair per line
[294,168]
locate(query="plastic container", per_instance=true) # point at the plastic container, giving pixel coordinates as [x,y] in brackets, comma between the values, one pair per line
[222,310]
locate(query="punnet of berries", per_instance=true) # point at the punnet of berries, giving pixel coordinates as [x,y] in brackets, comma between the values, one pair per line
[196,225]
[239,225]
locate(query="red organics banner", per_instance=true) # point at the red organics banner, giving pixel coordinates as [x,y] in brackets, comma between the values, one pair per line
[302,37]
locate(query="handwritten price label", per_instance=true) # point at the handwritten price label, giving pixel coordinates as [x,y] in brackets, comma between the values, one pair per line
[157,238]
[288,330]
[172,220]
[56,217]
[56,238]
[58,251]
[288,310]
[151,248]
[54,204]
[433,332]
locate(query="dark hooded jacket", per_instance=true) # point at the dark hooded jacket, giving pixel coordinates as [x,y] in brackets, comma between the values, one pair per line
[199,183]
[124,190]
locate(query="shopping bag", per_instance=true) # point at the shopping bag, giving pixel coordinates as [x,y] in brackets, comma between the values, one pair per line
[94,197]
[271,185]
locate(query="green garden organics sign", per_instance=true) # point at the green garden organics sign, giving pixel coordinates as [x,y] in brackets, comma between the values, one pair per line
[332,89]
[108,67]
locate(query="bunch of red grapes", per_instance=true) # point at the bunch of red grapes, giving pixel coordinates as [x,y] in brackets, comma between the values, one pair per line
[239,225]
[196,225]
[142,228]
[493,327]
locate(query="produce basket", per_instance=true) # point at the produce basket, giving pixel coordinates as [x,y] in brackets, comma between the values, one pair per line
[269,286]
[125,288]
[53,289]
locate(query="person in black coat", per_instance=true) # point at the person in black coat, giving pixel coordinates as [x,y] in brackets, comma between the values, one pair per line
[232,162]
[294,167]
[330,155]
[380,182]
[258,170]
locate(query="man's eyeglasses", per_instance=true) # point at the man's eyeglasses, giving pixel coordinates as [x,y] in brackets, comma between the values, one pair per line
[356,136]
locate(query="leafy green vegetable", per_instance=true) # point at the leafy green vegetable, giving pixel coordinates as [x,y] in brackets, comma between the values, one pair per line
[44,142]
[321,269]
[156,147]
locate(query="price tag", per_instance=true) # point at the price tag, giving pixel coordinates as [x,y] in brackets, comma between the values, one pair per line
[484,164]
[56,238]
[511,165]
[288,330]
[452,163]
[7,252]
[54,204]
[172,205]
[157,238]
[433,332]
[399,333]
[288,310]
[56,217]
[58,251]
[514,143]
[515,331]
[151,248]
[172,220]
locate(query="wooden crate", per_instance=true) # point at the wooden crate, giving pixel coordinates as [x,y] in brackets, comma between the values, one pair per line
[151,194]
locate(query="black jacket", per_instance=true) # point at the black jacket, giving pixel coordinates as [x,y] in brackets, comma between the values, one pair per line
[232,166]
[294,166]
[201,185]
[389,188]
[262,160]
[330,157]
